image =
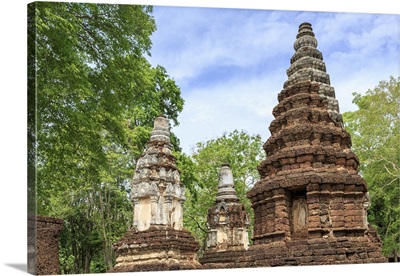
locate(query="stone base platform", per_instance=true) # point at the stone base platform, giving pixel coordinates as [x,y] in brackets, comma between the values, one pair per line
[306,252]
[159,248]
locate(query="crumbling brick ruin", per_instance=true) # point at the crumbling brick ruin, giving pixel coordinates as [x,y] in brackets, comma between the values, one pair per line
[157,240]
[310,204]
[43,235]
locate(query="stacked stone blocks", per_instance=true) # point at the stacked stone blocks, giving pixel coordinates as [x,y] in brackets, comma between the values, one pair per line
[158,248]
[227,221]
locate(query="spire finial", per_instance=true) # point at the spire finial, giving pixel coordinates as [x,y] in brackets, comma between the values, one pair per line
[305,37]
[226,188]
[160,130]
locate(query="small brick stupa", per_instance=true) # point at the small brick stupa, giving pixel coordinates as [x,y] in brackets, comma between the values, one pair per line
[227,220]
[310,203]
[157,240]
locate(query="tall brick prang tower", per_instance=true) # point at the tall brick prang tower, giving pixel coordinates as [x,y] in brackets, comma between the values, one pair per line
[310,191]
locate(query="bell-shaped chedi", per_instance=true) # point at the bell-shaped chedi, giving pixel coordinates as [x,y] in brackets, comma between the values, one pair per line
[309,188]
[157,240]
[227,221]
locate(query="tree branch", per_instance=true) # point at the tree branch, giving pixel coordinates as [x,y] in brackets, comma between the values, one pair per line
[198,224]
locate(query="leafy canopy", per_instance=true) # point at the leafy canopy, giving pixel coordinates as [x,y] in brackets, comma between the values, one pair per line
[92,100]
[375,131]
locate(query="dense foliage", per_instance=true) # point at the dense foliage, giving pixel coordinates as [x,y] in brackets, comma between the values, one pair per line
[375,132]
[93,97]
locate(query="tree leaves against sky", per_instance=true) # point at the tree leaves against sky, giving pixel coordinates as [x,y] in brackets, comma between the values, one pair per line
[375,132]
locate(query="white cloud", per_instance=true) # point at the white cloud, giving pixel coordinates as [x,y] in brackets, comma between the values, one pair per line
[359,51]
[207,38]
[239,104]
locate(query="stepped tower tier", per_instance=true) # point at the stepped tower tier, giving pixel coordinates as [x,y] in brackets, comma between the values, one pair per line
[157,240]
[309,184]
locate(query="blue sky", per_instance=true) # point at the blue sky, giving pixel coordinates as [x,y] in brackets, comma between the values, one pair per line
[231,63]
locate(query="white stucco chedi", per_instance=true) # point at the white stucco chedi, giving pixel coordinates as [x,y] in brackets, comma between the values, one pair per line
[157,192]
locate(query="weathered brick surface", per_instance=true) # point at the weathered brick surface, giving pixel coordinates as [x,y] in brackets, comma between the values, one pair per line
[310,204]
[158,248]
[317,251]
[43,245]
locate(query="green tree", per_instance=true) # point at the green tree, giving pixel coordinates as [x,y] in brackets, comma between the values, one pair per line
[92,100]
[375,132]
[199,172]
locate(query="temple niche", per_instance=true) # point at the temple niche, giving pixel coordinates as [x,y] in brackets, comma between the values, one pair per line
[157,240]
[299,217]
[227,221]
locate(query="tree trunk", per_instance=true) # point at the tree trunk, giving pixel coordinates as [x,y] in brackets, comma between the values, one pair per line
[106,248]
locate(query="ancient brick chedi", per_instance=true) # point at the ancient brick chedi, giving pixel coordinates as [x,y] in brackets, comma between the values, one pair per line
[310,202]
[227,220]
[310,193]
[157,240]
